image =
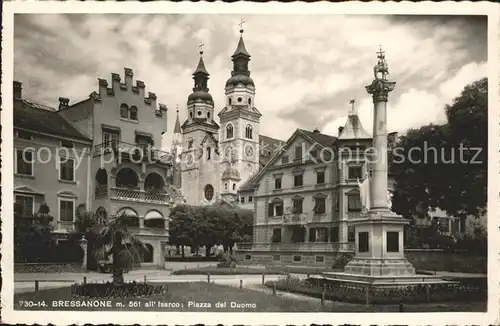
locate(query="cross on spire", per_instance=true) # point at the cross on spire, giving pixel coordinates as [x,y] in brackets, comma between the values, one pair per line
[177,108]
[380,53]
[241,25]
[201,47]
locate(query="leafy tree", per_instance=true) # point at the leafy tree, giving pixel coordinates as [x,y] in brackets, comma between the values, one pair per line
[207,226]
[38,242]
[444,166]
[116,242]
[87,225]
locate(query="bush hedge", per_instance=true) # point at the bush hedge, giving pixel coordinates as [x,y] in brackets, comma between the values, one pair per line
[465,291]
[109,290]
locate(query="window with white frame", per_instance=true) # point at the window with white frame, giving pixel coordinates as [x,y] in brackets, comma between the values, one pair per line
[319,204]
[355,172]
[67,169]
[27,204]
[248,132]
[25,161]
[66,210]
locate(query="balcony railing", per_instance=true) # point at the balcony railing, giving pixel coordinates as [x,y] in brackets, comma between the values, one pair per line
[147,153]
[299,246]
[294,218]
[140,196]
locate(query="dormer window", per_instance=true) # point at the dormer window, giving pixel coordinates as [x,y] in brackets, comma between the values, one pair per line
[248,132]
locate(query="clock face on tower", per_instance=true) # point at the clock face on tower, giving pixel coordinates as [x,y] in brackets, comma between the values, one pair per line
[249,151]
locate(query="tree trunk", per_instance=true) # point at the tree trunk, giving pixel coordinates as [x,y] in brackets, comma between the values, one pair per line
[207,250]
[117,264]
[182,250]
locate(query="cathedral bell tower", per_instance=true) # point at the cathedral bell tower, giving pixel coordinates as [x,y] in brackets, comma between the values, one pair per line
[200,143]
[239,139]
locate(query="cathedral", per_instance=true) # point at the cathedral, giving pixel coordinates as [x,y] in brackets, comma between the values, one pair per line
[215,158]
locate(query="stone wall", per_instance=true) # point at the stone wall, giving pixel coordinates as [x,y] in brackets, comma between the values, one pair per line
[421,259]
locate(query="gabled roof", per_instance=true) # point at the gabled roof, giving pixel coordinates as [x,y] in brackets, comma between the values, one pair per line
[268,146]
[37,117]
[209,135]
[314,137]
[354,129]
[323,140]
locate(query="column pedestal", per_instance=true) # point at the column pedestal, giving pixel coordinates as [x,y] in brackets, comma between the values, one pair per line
[379,246]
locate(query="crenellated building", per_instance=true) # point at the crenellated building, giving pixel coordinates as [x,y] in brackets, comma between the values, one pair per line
[117,128]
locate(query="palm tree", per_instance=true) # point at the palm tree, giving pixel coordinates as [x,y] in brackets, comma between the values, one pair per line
[115,240]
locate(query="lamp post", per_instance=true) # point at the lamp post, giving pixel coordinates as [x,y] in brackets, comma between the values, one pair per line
[83,245]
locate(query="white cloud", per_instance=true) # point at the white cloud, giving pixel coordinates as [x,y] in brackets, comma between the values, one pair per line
[295,60]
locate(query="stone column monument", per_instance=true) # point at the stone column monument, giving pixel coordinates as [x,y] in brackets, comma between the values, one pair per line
[379,231]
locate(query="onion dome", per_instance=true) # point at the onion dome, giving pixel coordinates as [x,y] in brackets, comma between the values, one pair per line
[240,72]
[200,89]
[231,174]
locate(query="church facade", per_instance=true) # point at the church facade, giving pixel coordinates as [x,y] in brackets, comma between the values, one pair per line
[215,158]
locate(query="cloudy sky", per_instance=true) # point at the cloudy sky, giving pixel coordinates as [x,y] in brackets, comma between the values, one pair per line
[306,68]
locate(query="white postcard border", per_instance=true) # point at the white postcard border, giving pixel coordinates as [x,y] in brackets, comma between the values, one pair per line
[430,8]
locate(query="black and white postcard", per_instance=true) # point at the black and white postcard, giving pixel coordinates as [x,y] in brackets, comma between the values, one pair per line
[169,163]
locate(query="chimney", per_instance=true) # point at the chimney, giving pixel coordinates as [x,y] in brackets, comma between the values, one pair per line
[340,130]
[63,103]
[18,90]
[316,130]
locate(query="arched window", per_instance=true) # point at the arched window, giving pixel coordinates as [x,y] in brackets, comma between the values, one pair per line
[209,153]
[191,114]
[234,186]
[225,186]
[208,115]
[101,187]
[133,113]
[248,132]
[209,192]
[229,131]
[127,178]
[148,253]
[229,101]
[249,101]
[124,111]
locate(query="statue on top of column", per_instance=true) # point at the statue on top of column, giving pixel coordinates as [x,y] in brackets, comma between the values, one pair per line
[381,67]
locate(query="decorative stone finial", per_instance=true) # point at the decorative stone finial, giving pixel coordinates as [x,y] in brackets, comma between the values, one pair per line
[353,110]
